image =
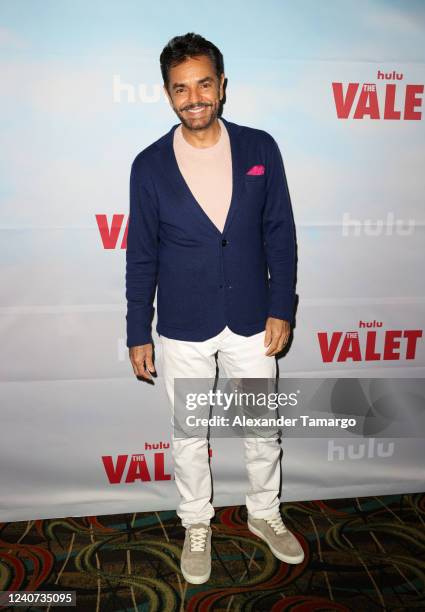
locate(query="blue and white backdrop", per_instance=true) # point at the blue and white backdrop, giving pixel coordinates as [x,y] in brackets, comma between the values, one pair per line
[340,85]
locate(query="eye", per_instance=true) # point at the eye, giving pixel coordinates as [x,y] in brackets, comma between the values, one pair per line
[205,85]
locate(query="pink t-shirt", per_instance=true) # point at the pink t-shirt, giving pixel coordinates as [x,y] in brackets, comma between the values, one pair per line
[208,173]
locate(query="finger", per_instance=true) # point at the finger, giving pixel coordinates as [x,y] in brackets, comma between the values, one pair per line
[285,339]
[272,351]
[282,343]
[271,341]
[150,365]
[267,337]
[135,366]
[146,374]
[140,370]
[280,347]
[277,345]
[272,348]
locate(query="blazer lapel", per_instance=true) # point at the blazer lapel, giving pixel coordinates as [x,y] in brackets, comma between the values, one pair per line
[237,170]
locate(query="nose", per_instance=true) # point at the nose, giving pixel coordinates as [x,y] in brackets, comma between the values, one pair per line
[193,98]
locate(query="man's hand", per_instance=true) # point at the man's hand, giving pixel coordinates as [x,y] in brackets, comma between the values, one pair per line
[277,335]
[142,362]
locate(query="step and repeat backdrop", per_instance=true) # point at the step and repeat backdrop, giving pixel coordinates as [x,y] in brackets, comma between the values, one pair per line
[340,86]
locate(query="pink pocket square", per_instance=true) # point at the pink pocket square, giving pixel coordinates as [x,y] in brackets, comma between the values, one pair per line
[256,170]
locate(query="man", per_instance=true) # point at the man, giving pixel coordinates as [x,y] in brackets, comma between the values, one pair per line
[210,219]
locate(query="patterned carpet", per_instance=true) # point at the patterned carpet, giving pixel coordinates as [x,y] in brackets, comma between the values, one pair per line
[361,554]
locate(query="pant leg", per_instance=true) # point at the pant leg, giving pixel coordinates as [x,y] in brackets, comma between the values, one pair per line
[244,357]
[181,359]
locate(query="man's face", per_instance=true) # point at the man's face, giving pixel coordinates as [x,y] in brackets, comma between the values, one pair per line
[195,92]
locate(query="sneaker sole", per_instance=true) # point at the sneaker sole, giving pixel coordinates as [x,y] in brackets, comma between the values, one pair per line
[279,555]
[195,579]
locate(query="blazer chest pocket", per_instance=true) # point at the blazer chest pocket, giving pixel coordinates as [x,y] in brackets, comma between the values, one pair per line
[255,188]
[259,179]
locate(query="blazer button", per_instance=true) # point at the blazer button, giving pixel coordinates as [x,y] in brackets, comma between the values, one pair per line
[224,242]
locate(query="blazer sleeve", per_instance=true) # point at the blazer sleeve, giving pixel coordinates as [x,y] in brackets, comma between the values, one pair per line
[141,256]
[279,237]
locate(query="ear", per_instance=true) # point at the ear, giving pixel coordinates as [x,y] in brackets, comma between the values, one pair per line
[221,86]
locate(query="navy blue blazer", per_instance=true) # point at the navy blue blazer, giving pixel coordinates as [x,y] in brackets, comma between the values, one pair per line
[208,279]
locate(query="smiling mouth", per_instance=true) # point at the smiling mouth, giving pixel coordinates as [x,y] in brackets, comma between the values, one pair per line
[197,110]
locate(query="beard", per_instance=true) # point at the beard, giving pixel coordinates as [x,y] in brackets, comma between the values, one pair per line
[199,123]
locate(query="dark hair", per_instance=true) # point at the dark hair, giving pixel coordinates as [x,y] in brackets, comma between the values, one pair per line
[180,48]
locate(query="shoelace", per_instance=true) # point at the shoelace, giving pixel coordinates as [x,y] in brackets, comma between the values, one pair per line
[277,524]
[198,538]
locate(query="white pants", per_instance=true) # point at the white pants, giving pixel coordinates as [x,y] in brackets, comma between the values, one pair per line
[238,356]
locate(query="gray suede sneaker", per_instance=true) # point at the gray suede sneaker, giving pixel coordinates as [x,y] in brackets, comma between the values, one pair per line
[282,542]
[195,562]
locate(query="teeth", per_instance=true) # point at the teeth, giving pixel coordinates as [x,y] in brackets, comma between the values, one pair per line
[196,110]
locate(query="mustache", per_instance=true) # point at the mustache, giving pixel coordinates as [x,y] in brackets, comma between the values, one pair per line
[194,106]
